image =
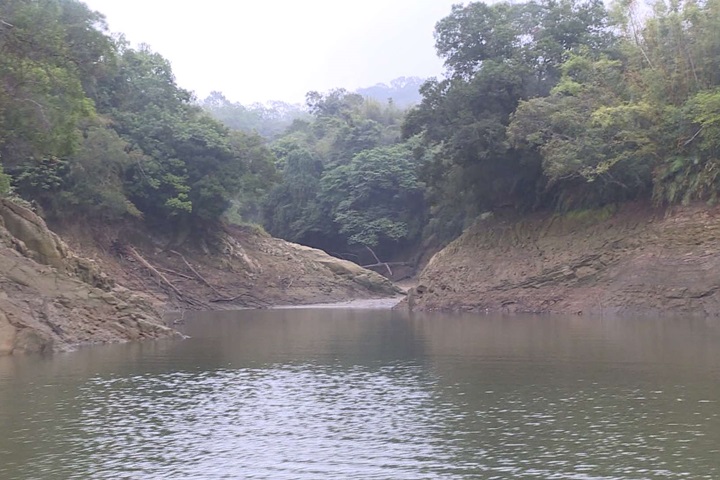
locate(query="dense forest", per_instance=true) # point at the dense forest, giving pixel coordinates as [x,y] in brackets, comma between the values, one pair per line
[91,128]
[547,105]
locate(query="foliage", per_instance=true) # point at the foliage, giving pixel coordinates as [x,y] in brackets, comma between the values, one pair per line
[496,56]
[41,95]
[555,104]
[344,179]
[268,121]
[103,157]
[376,197]
[293,209]
[595,147]
[89,125]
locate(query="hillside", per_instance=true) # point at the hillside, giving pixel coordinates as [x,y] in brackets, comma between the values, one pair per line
[636,260]
[53,299]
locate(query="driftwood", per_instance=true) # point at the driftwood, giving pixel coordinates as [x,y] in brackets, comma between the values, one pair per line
[173,272]
[256,300]
[197,274]
[379,262]
[385,264]
[155,271]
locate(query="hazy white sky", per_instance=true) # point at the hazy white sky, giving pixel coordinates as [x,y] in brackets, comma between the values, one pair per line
[259,50]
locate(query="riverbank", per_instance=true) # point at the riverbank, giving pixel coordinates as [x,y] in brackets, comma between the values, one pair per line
[632,260]
[359,304]
[115,283]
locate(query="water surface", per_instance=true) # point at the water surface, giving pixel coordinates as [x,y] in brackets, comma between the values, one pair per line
[330,394]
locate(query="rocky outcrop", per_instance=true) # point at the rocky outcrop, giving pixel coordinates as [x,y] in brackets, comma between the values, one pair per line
[51,299]
[343,269]
[633,260]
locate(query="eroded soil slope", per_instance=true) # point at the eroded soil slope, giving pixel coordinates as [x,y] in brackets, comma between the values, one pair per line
[51,299]
[242,268]
[634,260]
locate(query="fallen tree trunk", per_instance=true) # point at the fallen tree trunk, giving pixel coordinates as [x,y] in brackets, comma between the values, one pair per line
[255,300]
[173,272]
[385,264]
[197,274]
[155,271]
[389,270]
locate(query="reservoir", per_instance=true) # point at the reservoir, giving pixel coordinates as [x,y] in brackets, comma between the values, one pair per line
[373,394]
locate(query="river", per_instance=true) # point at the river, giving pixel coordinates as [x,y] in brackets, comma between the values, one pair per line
[373,394]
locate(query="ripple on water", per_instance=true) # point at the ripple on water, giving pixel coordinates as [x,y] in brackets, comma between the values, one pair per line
[380,399]
[293,422]
[310,421]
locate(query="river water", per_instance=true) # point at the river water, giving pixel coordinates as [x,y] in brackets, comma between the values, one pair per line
[373,394]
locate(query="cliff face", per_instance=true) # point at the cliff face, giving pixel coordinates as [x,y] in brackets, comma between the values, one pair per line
[51,299]
[634,260]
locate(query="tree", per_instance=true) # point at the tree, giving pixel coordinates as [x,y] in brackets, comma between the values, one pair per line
[43,46]
[269,121]
[193,168]
[376,199]
[343,127]
[496,56]
[293,209]
[595,146]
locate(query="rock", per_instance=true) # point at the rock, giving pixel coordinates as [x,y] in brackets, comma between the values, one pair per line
[29,340]
[7,336]
[366,278]
[44,246]
[635,260]
[45,308]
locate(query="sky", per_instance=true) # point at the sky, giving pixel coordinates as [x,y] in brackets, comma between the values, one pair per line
[261,50]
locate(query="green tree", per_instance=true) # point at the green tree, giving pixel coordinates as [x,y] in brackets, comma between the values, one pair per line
[376,199]
[293,209]
[496,56]
[192,169]
[343,127]
[43,46]
[595,146]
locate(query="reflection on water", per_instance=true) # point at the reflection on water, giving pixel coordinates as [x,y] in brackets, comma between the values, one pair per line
[322,394]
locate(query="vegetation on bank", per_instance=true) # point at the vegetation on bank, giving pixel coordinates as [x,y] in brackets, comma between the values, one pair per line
[91,127]
[550,104]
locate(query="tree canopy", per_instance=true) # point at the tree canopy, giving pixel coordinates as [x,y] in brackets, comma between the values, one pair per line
[545,104]
[91,125]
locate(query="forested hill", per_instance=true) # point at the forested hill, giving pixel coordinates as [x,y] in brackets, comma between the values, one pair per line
[403,92]
[565,105]
[546,105]
[92,128]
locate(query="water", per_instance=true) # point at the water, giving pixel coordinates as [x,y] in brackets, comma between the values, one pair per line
[339,394]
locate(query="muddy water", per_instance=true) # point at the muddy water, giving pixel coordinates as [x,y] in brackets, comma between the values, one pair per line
[373,394]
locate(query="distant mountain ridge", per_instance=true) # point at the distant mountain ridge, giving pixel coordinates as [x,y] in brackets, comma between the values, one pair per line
[404,91]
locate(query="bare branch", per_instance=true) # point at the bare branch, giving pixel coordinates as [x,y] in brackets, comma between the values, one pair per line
[197,274]
[155,271]
[380,261]
[693,137]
